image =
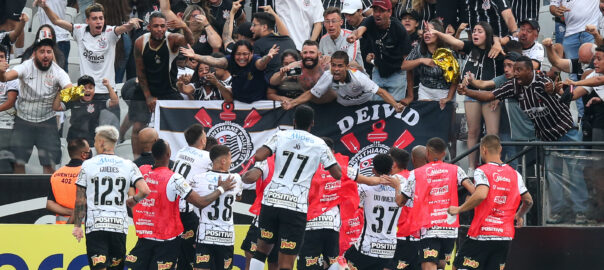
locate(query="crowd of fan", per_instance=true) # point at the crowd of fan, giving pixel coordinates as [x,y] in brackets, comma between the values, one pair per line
[348,51]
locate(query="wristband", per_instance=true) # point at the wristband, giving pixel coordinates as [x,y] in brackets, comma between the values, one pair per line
[135,200]
[221,189]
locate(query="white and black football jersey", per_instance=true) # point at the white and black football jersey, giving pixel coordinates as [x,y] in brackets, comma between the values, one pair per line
[329,220]
[216,219]
[297,157]
[107,179]
[378,238]
[189,162]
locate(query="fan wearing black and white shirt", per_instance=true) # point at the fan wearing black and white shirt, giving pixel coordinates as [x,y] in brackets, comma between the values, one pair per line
[285,202]
[102,196]
[96,42]
[351,87]
[8,96]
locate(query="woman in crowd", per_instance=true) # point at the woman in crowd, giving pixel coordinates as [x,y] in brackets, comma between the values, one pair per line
[432,84]
[289,88]
[483,68]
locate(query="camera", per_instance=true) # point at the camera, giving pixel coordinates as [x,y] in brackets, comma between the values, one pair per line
[294,71]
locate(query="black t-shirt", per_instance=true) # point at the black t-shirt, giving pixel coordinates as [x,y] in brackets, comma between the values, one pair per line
[221,14]
[488,11]
[84,118]
[264,44]
[452,12]
[202,45]
[479,63]
[389,46]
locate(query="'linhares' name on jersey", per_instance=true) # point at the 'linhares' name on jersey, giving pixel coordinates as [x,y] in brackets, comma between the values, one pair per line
[297,157]
[216,219]
[107,179]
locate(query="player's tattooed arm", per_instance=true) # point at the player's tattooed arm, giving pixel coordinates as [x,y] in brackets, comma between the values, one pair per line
[79,212]
[203,201]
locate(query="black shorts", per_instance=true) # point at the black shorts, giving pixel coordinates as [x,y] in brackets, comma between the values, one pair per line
[436,249]
[44,135]
[358,261]
[139,112]
[150,254]
[190,222]
[213,256]
[11,10]
[286,225]
[316,243]
[406,256]
[475,254]
[250,242]
[106,250]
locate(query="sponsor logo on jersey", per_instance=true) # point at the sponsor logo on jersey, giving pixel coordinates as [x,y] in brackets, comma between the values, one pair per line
[287,244]
[163,266]
[96,259]
[115,262]
[500,199]
[498,178]
[447,257]
[131,258]
[92,57]
[188,234]
[470,263]
[402,265]
[227,263]
[253,247]
[311,261]
[266,234]
[430,253]
[439,191]
[202,258]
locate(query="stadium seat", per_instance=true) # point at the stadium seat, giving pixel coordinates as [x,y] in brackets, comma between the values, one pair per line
[30,30]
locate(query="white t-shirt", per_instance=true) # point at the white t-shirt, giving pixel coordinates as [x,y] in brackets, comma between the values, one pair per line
[328,46]
[535,52]
[381,218]
[357,89]
[38,90]
[582,13]
[58,7]
[7,117]
[189,162]
[97,54]
[298,154]
[216,220]
[408,189]
[599,89]
[480,178]
[107,179]
[299,17]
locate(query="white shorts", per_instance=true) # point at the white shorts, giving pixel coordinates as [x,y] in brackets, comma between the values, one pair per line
[425,93]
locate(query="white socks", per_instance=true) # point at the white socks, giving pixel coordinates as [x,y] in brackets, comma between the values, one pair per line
[255,264]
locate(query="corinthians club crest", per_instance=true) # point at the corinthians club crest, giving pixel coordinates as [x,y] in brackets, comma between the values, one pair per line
[230,133]
[363,158]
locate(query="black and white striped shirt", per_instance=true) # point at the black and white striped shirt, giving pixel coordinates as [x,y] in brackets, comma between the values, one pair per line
[488,11]
[427,13]
[551,117]
[525,9]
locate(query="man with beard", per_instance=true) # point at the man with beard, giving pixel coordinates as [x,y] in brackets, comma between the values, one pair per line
[40,79]
[351,87]
[310,73]
[248,83]
[153,54]
[263,24]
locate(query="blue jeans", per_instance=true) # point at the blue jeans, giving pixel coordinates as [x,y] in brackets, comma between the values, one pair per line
[509,151]
[395,84]
[558,182]
[65,46]
[571,51]
[120,68]
[559,32]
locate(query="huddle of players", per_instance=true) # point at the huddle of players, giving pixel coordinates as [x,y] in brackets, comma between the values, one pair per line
[407,215]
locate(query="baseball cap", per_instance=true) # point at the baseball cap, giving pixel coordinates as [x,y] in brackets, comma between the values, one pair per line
[85,79]
[244,30]
[385,4]
[351,6]
[412,13]
[512,56]
[532,22]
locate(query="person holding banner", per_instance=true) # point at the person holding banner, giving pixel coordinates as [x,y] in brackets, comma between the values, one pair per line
[433,188]
[351,87]
[499,190]
[298,154]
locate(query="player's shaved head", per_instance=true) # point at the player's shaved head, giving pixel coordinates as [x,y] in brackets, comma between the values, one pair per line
[160,150]
[587,52]
[304,117]
[418,156]
[382,164]
[147,137]
[436,145]
[491,143]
